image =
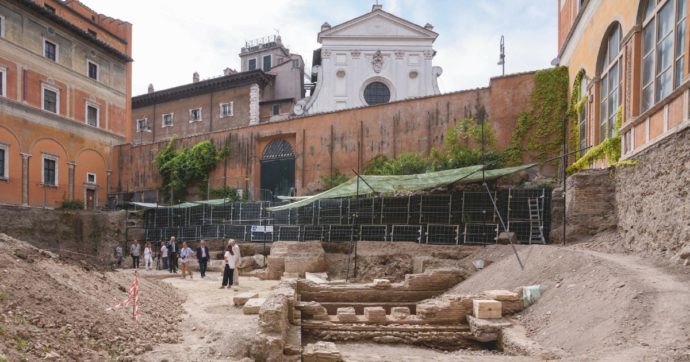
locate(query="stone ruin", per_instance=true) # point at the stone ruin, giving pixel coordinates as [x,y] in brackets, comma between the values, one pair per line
[303,318]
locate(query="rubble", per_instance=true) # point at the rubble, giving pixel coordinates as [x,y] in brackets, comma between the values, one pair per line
[321,352]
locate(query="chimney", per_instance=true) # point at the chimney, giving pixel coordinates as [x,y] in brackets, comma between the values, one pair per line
[376,7]
[195,77]
[325,26]
[428,26]
[229,71]
[150,88]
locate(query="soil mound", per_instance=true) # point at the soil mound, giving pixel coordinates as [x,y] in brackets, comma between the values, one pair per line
[51,309]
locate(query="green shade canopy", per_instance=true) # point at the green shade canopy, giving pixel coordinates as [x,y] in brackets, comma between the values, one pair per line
[369,184]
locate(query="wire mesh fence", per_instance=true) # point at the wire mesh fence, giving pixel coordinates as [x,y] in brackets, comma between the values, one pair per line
[459,218]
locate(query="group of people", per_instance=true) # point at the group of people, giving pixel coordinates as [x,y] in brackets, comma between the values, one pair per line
[174,256]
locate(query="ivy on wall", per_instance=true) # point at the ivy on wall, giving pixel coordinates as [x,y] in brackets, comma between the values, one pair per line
[538,132]
[577,103]
[462,146]
[185,167]
[608,150]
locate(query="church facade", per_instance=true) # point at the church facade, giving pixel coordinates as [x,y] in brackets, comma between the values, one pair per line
[372,59]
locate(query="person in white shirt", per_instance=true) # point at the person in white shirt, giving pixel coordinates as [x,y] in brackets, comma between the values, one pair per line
[148,258]
[185,254]
[164,255]
[229,268]
[238,257]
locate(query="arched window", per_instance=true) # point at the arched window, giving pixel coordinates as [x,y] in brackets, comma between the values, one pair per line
[610,90]
[377,93]
[582,120]
[663,49]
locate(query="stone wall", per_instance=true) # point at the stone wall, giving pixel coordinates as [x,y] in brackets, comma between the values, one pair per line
[652,197]
[590,205]
[74,234]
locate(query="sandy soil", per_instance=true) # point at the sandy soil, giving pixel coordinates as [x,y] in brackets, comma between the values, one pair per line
[212,328]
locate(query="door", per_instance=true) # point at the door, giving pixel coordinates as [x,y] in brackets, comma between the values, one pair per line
[90,199]
[277,170]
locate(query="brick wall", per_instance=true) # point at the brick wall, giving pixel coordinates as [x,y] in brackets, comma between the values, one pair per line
[342,140]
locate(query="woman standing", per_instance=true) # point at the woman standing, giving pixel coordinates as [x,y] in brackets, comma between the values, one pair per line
[148,257]
[185,254]
[229,261]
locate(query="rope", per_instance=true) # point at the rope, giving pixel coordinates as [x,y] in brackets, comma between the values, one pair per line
[132,297]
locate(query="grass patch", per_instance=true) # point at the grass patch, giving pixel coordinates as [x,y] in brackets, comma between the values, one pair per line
[22,344]
[17,319]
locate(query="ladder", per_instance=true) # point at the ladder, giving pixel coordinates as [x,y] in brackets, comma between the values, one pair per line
[536,228]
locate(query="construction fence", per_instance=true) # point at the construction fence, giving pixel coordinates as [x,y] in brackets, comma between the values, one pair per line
[470,217]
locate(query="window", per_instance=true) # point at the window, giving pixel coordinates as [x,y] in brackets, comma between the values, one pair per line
[50,50]
[50,172]
[2,26]
[90,178]
[266,63]
[195,115]
[663,49]
[142,125]
[92,115]
[609,86]
[168,120]
[49,8]
[4,160]
[251,64]
[275,109]
[92,33]
[583,116]
[377,93]
[51,98]
[92,69]
[226,109]
[3,82]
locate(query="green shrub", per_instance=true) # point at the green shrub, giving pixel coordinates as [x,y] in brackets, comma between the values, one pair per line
[330,182]
[72,205]
[224,192]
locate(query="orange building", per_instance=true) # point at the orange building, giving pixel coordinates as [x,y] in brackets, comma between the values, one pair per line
[632,56]
[65,101]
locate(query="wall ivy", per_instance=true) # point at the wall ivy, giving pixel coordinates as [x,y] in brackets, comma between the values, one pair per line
[188,166]
[538,132]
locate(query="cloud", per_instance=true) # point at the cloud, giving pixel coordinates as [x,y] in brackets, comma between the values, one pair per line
[174,38]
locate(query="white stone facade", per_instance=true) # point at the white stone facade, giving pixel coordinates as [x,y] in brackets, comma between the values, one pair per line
[375,47]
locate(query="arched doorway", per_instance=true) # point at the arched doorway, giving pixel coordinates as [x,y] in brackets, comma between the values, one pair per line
[277,169]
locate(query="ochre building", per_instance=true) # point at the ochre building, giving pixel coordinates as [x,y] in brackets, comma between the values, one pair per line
[66,80]
[631,56]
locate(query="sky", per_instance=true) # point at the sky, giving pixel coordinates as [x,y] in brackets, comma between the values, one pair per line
[172,39]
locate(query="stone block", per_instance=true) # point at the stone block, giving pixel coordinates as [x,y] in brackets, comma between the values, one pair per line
[319,278]
[486,330]
[312,310]
[436,279]
[287,275]
[381,284]
[511,302]
[507,237]
[375,314]
[321,352]
[486,308]
[273,315]
[347,314]
[400,312]
[253,305]
[260,260]
[448,308]
[241,298]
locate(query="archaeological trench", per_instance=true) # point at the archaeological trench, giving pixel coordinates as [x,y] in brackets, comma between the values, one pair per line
[309,313]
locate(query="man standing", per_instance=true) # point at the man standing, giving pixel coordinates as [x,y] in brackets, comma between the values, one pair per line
[135,251]
[237,258]
[173,249]
[118,255]
[202,256]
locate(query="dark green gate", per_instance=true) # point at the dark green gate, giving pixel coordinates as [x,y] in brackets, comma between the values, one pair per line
[277,170]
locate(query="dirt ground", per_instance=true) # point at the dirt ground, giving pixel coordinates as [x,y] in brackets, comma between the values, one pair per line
[212,328]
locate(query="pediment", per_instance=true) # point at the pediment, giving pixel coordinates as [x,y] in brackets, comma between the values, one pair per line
[378,24]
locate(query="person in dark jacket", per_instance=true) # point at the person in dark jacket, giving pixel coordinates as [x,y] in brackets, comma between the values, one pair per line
[173,250]
[203,257]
